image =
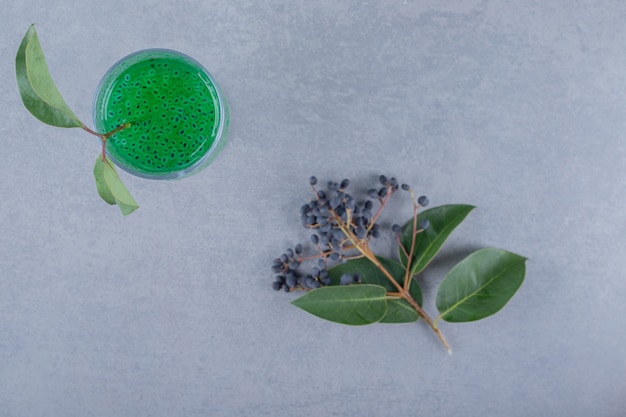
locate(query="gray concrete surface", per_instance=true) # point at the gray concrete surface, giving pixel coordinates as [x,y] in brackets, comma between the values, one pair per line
[516,107]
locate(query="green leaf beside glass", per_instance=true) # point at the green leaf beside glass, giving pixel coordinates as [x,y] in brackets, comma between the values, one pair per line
[44,101]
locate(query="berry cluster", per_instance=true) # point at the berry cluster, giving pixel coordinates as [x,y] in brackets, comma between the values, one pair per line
[340,225]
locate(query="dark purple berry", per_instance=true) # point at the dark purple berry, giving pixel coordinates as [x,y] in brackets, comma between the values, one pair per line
[334,203]
[313,180]
[405,187]
[346,279]
[311,282]
[422,201]
[291,281]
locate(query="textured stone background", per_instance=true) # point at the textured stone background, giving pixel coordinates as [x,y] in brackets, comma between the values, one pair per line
[516,107]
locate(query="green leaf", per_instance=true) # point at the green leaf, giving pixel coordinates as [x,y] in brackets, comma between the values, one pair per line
[442,221]
[480,285]
[355,305]
[398,311]
[111,188]
[103,189]
[38,92]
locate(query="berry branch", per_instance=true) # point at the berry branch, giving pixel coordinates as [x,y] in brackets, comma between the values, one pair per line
[349,284]
[341,226]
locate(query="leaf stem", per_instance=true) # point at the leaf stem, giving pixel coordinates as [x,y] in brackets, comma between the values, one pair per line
[428,320]
[104,136]
[93,132]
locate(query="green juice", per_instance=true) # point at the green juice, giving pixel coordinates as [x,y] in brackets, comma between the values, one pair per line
[178,118]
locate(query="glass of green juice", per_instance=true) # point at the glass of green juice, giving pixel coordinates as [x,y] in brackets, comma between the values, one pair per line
[177,114]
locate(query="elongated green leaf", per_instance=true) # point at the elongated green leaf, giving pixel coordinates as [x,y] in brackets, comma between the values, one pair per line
[355,305]
[480,285]
[111,188]
[442,221]
[103,189]
[398,311]
[38,92]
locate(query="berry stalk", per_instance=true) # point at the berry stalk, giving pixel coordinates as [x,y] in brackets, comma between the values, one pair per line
[343,229]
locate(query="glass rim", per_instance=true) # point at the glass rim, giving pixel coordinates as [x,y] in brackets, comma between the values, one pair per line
[219,135]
